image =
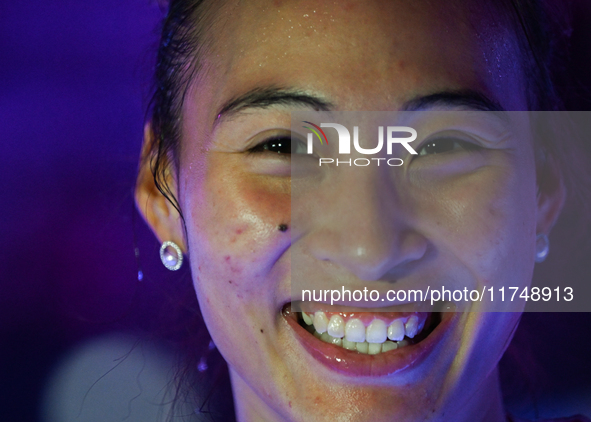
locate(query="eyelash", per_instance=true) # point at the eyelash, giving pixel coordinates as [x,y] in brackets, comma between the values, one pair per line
[448,145]
[281,142]
[430,148]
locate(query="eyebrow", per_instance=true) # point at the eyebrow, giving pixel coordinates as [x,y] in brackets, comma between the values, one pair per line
[271,96]
[275,96]
[469,99]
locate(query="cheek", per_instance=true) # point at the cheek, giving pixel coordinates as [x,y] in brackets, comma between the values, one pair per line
[242,213]
[232,219]
[233,214]
[487,220]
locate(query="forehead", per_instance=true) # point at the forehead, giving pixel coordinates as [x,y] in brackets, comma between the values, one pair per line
[361,55]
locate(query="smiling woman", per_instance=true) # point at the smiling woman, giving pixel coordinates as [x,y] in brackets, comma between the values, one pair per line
[215,180]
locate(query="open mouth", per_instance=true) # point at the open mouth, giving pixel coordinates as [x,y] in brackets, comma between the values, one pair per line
[369,333]
[369,343]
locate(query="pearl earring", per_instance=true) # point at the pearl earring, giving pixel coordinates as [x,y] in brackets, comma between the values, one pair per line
[171,255]
[542,247]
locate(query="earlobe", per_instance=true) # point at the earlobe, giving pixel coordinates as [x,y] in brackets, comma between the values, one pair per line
[158,212]
[551,195]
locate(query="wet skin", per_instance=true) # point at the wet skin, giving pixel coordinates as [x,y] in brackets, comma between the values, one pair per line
[464,215]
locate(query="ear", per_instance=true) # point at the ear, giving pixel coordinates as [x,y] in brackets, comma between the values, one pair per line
[158,212]
[551,195]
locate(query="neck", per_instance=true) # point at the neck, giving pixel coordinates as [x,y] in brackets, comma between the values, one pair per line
[486,404]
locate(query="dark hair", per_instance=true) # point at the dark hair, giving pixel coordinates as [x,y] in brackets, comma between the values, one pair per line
[540,34]
[182,42]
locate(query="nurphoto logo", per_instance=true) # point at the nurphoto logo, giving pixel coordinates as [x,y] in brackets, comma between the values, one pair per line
[345,143]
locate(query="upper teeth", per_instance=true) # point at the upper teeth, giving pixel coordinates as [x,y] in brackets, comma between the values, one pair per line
[354,335]
[355,330]
[307,318]
[336,326]
[320,322]
[376,332]
[396,330]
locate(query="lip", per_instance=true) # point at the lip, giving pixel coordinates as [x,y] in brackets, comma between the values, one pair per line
[355,364]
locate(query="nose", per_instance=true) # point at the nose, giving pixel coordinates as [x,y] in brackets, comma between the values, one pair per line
[367,225]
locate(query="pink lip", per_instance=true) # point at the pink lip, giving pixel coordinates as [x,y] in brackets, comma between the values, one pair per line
[351,363]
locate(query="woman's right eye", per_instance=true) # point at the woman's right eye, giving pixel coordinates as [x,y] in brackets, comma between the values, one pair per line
[279,145]
[446,145]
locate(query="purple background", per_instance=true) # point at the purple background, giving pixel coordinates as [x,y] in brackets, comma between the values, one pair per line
[75,78]
[75,83]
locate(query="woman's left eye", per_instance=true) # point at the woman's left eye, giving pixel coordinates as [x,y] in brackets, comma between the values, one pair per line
[279,145]
[442,145]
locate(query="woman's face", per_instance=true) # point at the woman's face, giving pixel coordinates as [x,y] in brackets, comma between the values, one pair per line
[465,216]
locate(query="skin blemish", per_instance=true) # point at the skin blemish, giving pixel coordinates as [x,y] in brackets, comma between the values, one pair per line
[230,281]
[282,228]
[262,331]
[234,269]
